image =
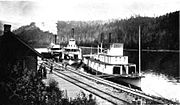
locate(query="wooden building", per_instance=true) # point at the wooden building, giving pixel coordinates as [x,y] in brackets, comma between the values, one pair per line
[15,53]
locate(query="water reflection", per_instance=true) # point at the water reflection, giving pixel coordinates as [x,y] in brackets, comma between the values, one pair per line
[160,85]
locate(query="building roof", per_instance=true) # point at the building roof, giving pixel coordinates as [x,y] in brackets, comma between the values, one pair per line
[23,43]
[32,49]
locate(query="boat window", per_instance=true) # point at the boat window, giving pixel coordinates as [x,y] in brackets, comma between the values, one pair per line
[131,70]
[118,45]
[67,49]
[75,56]
[73,50]
[55,48]
[116,70]
[66,56]
[71,57]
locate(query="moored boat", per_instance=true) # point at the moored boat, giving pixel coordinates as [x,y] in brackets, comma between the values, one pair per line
[113,65]
[54,49]
[71,54]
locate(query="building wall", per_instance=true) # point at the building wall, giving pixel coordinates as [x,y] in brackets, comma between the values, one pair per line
[31,62]
[14,50]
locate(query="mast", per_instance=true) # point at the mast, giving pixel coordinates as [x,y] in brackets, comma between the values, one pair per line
[102,37]
[109,40]
[91,44]
[178,80]
[98,49]
[139,49]
[91,51]
[101,47]
[55,39]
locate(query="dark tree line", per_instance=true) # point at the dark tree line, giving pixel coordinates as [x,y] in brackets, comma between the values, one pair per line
[34,36]
[156,32]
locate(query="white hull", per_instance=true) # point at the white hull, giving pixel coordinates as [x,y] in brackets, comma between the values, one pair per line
[107,69]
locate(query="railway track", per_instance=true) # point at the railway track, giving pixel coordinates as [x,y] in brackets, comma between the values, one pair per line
[86,85]
[112,92]
[120,88]
[91,87]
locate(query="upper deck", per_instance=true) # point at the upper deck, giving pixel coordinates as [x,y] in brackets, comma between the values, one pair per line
[71,44]
[114,55]
[72,48]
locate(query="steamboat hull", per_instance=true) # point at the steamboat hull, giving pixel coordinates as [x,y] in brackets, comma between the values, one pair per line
[128,81]
[114,65]
[134,83]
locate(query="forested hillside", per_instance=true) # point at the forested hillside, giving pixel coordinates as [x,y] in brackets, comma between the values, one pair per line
[1,28]
[34,36]
[157,33]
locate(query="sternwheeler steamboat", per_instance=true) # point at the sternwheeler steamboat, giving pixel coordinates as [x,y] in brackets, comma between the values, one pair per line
[114,66]
[72,53]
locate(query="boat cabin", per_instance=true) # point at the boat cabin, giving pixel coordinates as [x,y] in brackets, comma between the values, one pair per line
[72,44]
[114,55]
[114,62]
[71,51]
[55,49]
[116,49]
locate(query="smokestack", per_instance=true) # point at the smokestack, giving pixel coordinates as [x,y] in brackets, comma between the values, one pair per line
[109,38]
[55,39]
[102,37]
[72,32]
[7,28]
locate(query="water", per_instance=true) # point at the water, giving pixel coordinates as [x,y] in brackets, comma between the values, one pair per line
[160,85]
[159,69]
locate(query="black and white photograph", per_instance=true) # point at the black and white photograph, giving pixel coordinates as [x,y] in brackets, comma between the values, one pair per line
[89,52]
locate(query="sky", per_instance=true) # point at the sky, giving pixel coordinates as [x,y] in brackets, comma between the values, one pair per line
[47,12]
